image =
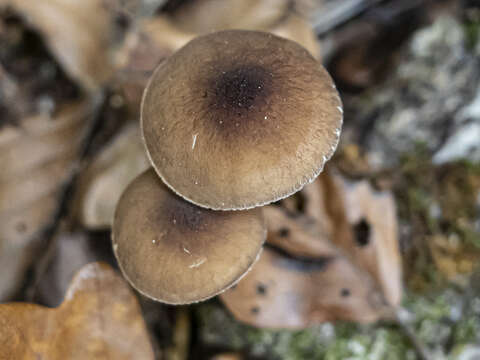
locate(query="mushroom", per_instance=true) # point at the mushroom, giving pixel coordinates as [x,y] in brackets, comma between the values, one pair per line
[238,119]
[175,252]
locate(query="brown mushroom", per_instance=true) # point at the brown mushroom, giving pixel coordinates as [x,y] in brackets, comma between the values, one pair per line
[175,252]
[238,119]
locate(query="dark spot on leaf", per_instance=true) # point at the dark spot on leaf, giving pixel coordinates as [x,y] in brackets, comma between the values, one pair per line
[345,292]
[284,232]
[21,227]
[261,289]
[362,232]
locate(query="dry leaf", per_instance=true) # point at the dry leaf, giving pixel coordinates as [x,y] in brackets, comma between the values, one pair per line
[297,234]
[374,242]
[284,292]
[298,29]
[362,222]
[79,33]
[151,41]
[339,260]
[204,16]
[103,182]
[35,157]
[99,319]
[71,252]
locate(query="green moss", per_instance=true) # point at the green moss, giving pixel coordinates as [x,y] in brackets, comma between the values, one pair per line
[442,320]
[466,330]
[472,34]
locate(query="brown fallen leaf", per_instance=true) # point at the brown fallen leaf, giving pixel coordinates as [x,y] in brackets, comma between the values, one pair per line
[36,158]
[103,182]
[296,28]
[203,16]
[284,292]
[81,35]
[70,252]
[321,265]
[362,222]
[373,241]
[148,44]
[99,319]
[297,234]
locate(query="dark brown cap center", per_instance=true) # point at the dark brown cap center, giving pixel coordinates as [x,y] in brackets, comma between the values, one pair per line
[240,89]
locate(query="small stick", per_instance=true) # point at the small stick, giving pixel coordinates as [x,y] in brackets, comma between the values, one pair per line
[420,348]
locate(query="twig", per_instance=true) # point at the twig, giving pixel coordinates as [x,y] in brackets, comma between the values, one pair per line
[337,13]
[420,348]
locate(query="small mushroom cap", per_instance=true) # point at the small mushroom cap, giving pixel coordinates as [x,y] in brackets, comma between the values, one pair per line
[238,119]
[175,252]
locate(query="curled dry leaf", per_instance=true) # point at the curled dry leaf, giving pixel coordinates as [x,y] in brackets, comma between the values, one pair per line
[212,15]
[284,292]
[374,245]
[362,222]
[296,28]
[323,265]
[148,44]
[105,179]
[35,158]
[71,252]
[297,234]
[99,319]
[80,33]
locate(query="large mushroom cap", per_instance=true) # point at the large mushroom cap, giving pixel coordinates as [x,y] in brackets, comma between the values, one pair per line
[175,252]
[238,119]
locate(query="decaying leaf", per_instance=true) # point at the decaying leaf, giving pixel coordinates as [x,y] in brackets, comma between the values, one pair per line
[321,265]
[71,252]
[296,28]
[297,234]
[36,158]
[152,40]
[285,292]
[362,222]
[104,181]
[99,319]
[203,16]
[80,34]
[372,217]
